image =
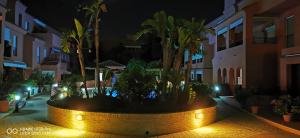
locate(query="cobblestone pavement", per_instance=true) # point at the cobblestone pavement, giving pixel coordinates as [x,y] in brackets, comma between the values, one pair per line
[231,124]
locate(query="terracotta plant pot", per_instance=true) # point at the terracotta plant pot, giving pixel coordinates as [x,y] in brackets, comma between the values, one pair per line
[287,117]
[4,106]
[254,109]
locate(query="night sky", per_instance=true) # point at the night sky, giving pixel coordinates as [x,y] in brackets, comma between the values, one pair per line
[124,16]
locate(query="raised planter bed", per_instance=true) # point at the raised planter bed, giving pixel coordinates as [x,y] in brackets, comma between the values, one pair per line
[132,124]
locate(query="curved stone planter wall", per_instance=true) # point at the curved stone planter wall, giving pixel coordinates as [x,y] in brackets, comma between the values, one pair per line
[132,124]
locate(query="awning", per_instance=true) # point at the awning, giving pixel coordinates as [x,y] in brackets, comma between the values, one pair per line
[236,23]
[222,31]
[14,64]
[55,50]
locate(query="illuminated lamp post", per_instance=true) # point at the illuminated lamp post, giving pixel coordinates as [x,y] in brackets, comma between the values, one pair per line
[217,90]
[17,99]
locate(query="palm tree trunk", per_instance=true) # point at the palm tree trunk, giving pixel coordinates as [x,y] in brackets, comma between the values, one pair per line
[178,61]
[165,69]
[176,65]
[81,62]
[97,45]
[188,71]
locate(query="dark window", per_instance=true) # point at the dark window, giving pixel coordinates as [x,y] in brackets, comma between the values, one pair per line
[20,20]
[264,31]
[7,46]
[7,49]
[194,61]
[290,31]
[1,26]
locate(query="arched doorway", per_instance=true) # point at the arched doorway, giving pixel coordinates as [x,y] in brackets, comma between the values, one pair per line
[224,74]
[219,76]
[239,76]
[231,80]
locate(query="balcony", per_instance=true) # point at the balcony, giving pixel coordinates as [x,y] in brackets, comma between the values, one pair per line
[291,51]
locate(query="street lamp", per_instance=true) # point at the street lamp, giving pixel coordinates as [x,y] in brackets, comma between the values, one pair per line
[217,90]
[17,99]
[28,89]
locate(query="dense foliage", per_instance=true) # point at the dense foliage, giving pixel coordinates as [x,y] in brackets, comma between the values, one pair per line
[135,83]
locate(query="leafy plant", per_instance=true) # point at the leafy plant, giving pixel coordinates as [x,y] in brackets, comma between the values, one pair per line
[242,95]
[11,83]
[40,80]
[70,82]
[202,89]
[295,107]
[282,105]
[135,83]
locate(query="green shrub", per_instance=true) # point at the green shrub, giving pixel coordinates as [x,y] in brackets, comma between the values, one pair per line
[242,96]
[135,83]
[201,89]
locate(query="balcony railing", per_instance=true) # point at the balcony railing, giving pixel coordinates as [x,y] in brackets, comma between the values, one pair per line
[264,40]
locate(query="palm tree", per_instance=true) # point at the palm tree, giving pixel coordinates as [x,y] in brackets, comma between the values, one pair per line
[184,37]
[198,35]
[164,27]
[77,36]
[94,11]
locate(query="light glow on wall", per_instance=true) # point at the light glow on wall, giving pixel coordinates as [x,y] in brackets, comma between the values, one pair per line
[79,117]
[101,74]
[77,120]
[198,118]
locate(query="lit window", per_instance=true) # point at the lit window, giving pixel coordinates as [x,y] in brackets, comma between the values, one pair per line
[192,76]
[15,45]
[26,26]
[45,52]
[221,39]
[7,34]
[38,60]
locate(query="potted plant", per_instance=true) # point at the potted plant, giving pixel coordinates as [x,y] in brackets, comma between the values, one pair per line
[282,106]
[254,104]
[295,108]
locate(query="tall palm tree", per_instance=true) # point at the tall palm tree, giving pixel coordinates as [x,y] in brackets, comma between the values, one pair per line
[198,35]
[94,11]
[164,27]
[184,37]
[77,36]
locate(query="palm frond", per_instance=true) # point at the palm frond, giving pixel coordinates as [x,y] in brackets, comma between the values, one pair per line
[79,28]
[139,34]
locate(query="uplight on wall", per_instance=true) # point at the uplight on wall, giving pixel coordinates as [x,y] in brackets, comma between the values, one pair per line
[198,115]
[78,117]
[198,118]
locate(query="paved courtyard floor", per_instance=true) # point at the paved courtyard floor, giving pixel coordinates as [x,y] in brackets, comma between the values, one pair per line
[31,123]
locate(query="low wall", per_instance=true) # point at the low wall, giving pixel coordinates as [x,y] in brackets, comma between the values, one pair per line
[132,124]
